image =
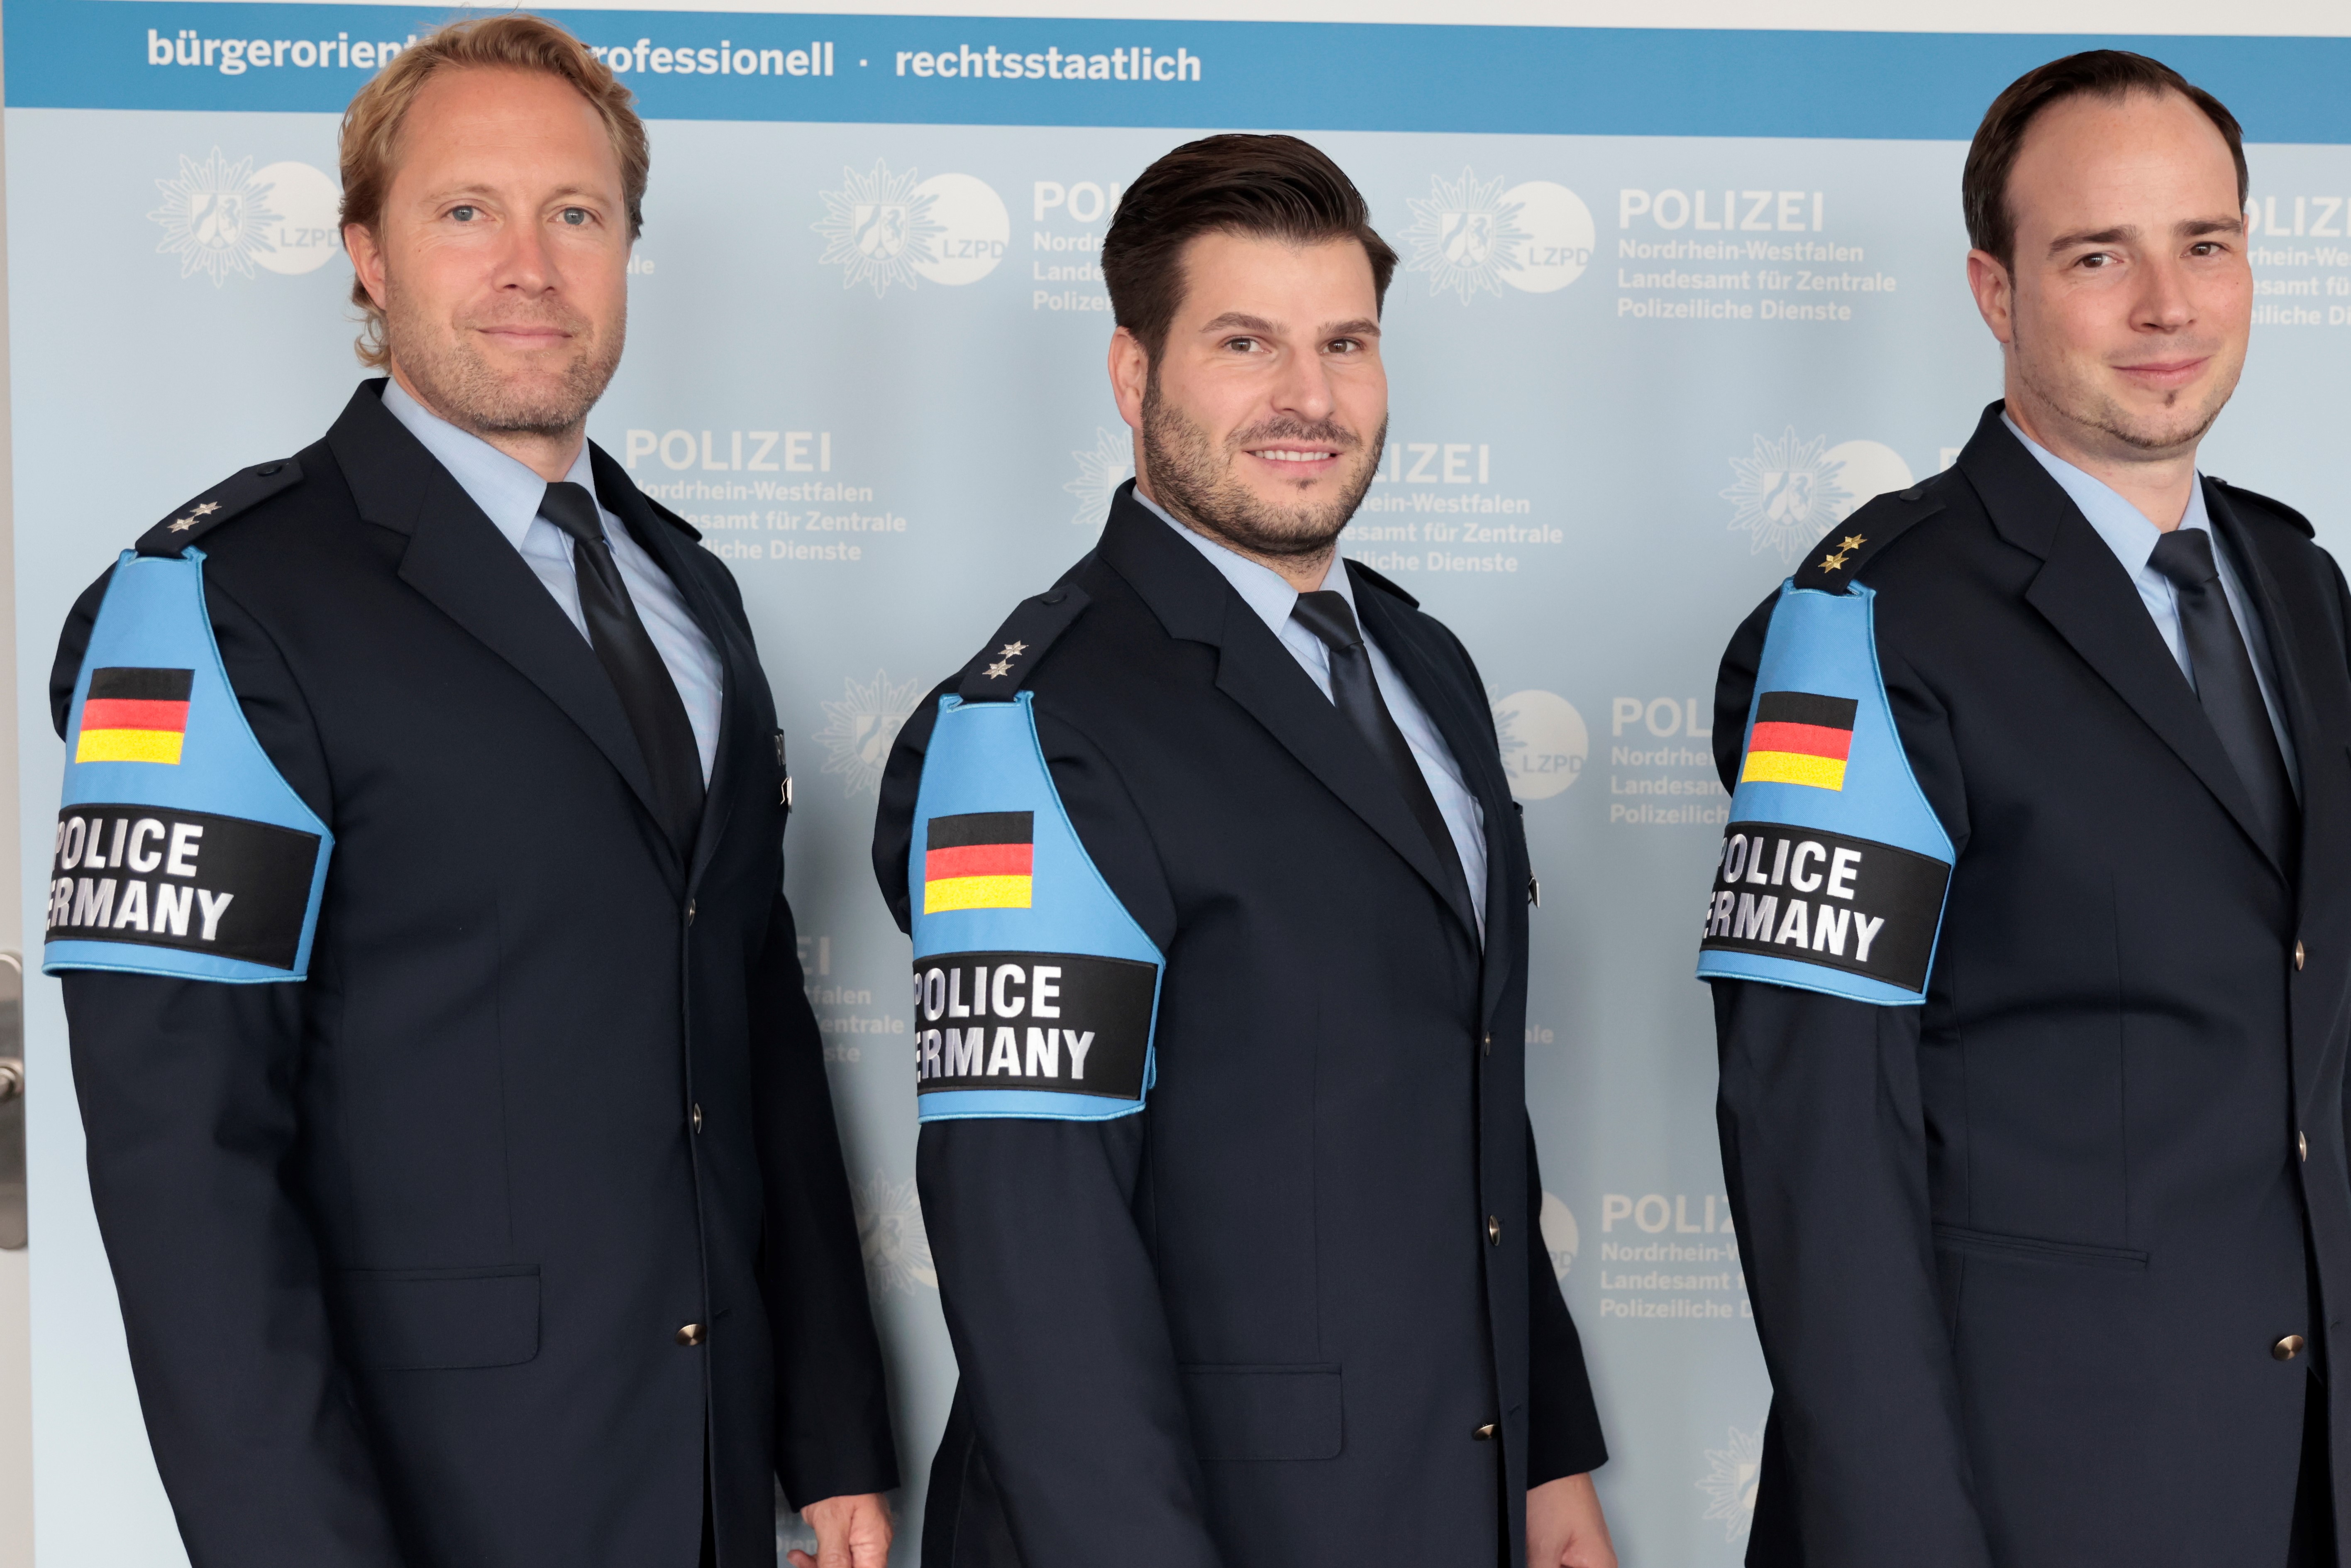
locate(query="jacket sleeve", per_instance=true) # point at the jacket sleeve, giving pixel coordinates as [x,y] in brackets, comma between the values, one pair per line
[1824,1152]
[832,1411]
[187,1097]
[1563,1436]
[1051,1295]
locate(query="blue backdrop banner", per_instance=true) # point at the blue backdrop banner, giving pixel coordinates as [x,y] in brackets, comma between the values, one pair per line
[1672,305]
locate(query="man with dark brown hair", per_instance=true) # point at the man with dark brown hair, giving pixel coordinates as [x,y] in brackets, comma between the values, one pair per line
[2030,943]
[1219,908]
[459,1125]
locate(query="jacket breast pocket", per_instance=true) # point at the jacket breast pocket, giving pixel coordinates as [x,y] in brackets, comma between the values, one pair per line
[2033,1249]
[418,1319]
[1265,1411]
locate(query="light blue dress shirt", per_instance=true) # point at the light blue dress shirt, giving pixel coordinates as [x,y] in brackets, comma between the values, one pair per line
[509,493]
[2133,538]
[1263,589]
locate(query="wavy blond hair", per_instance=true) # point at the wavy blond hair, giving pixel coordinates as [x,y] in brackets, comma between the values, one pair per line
[516,42]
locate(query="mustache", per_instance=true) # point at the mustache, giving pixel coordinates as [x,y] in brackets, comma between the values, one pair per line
[1322,432]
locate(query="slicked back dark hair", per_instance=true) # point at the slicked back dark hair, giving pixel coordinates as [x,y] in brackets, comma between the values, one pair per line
[1271,187]
[2094,73]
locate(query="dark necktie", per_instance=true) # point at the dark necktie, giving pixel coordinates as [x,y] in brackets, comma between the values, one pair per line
[1357,693]
[626,651]
[2225,684]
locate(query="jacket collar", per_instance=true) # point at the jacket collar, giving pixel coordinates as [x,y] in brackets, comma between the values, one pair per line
[2084,594]
[1193,602]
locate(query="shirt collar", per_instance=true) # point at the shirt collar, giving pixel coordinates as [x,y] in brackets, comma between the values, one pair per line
[1261,588]
[507,491]
[2122,526]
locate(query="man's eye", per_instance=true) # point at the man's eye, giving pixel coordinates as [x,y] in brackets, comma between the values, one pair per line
[2096,260]
[465,214]
[1345,346]
[575,216]
[1244,344]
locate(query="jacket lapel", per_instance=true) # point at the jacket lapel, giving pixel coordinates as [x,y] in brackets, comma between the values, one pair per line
[2083,591]
[457,559]
[1467,724]
[1257,671]
[738,662]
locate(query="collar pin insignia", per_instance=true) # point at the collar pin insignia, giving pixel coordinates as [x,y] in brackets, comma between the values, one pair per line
[998,670]
[1013,650]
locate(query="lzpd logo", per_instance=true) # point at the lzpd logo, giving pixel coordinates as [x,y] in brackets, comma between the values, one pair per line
[220,218]
[1543,743]
[1471,238]
[1791,491]
[882,228]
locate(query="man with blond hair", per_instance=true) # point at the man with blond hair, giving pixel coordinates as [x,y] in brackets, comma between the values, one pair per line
[458,1127]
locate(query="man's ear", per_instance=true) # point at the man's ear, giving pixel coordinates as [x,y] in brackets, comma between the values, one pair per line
[1995,292]
[1130,375]
[367,259]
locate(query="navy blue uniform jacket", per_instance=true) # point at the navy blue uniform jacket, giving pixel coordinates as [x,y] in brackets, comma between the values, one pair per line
[404,1251]
[2019,1255]
[1260,1323]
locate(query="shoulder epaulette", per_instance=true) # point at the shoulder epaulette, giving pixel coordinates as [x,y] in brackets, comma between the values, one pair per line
[241,491]
[1003,667]
[2239,493]
[1367,574]
[1837,560]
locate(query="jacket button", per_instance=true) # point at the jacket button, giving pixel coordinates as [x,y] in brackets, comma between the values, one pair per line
[1484,1434]
[697,1118]
[2287,1348]
[2302,1142]
[689,912]
[693,1335]
[2298,955]
[1486,1046]
[1493,1231]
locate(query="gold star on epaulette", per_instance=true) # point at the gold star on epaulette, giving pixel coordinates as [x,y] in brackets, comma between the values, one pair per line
[181,525]
[1014,650]
[1834,562]
[1851,542]
[998,670]
[207,508]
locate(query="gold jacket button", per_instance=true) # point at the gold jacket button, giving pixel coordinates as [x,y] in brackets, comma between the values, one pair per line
[1486,1046]
[693,1335]
[697,1118]
[689,912]
[2287,1348]
[1483,1435]
[1493,1231]
[2302,1142]
[2298,955]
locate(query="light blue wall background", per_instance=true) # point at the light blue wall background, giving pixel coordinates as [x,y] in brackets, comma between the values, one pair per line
[1659,474]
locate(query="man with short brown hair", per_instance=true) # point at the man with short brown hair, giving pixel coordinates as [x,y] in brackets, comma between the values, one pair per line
[458,1127]
[1219,907]
[2030,942]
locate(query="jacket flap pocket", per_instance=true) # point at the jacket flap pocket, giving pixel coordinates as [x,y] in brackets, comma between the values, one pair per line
[2033,1249]
[438,1319]
[1265,1411]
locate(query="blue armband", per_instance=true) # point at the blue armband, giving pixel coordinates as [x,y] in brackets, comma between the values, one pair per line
[179,850]
[1035,992]
[1834,868]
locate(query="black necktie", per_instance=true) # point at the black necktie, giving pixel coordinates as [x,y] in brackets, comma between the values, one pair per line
[2225,684]
[647,694]
[1357,693]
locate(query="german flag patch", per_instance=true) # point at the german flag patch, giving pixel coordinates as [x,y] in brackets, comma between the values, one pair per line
[979,860]
[1800,737]
[135,715]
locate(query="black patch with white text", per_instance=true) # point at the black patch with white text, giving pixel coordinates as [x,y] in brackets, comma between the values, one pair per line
[156,876]
[1813,896]
[1069,1023]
